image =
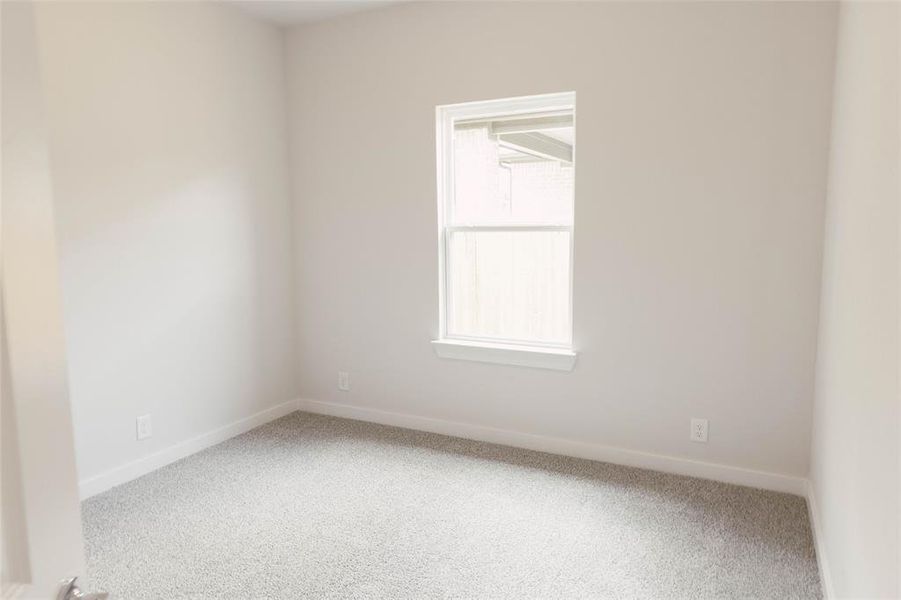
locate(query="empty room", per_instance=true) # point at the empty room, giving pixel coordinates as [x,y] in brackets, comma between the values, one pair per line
[416,299]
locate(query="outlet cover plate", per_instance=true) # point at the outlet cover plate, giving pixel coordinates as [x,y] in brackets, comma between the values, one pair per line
[144,427]
[344,381]
[698,430]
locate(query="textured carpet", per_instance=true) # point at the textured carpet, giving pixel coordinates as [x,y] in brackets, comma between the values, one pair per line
[318,507]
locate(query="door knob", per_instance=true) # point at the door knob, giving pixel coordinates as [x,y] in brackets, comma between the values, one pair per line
[69,591]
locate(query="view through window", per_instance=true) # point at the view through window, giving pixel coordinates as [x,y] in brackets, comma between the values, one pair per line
[507,209]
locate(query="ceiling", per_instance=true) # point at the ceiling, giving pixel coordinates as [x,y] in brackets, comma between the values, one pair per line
[294,12]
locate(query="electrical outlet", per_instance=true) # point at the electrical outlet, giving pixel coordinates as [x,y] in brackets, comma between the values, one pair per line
[145,427]
[698,430]
[344,381]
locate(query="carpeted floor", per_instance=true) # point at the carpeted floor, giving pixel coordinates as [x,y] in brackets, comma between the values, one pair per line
[318,507]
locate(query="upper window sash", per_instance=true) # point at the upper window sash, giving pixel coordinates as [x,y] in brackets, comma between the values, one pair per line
[449,115]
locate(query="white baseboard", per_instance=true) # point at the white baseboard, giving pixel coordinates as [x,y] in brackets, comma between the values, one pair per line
[632,458]
[819,543]
[136,468]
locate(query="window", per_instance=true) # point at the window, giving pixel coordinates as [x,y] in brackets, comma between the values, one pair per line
[506,170]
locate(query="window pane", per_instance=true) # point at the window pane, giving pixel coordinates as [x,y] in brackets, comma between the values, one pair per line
[504,173]
[509,285]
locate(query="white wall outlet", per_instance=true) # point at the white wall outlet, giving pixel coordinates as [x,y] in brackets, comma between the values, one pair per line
[344,381]
[698,430]
[145,427]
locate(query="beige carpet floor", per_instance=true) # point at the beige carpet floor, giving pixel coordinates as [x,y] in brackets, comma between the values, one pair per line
[318,507]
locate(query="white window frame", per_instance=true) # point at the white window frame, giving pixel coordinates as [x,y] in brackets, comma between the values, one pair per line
[503,351]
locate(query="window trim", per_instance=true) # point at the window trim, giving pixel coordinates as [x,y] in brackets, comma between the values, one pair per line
[504,351]
[542,357]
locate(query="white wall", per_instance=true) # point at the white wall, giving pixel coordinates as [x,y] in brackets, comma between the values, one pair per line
[855,451]
[169,157]
[700,184]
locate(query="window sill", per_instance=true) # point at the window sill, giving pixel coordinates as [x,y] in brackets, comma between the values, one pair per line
[559,359]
